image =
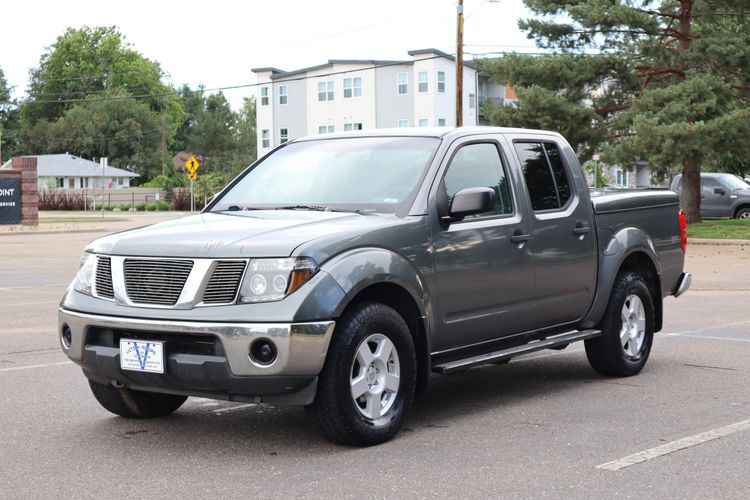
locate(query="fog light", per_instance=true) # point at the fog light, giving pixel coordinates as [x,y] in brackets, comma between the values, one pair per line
[66,336]
[263,352]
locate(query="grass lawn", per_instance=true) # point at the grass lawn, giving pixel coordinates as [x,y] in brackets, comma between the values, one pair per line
[730,229]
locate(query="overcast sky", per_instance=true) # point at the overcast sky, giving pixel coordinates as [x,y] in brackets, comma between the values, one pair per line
[218,42]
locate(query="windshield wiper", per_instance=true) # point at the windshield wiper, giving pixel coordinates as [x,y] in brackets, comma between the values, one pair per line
[316,208]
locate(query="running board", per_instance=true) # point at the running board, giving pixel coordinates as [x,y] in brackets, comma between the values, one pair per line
[507,354]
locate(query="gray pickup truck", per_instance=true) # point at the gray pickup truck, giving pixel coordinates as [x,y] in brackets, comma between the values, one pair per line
[722,195]
[339,271]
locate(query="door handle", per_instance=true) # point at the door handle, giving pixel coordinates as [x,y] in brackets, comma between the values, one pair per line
[581,230]
[518,237]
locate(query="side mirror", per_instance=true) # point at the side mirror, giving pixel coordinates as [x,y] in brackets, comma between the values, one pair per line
[719,191]
[472,201]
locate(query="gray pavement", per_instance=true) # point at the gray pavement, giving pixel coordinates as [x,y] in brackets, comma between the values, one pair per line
[537,427]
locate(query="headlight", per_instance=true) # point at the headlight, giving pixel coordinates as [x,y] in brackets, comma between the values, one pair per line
[86,271]
[267,280]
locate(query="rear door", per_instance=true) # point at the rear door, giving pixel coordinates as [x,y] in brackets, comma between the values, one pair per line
[562,231]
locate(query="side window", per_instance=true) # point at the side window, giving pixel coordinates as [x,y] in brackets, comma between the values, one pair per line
[544,172]
[479,165]
[708,185]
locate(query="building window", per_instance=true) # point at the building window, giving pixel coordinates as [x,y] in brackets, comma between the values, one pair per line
[119,181]
[348,127]
[621,177]
[422,77]
[283,94]
[283,135]
[441,122]
[325,91]
[264,96]
[424,122]
[472,101]
[352,87]
[325,129]
[59,182]
[265,136]
[403,123]
[441,81]
[402,80]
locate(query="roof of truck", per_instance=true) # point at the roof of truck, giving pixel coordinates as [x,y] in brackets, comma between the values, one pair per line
[438,132]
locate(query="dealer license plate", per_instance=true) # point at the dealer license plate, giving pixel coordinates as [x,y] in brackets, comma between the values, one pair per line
[142,355]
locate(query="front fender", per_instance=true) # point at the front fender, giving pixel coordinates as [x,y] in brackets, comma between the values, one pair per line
[623,244]
[358,269]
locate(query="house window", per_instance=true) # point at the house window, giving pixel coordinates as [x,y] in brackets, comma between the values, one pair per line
[283,94]
[119,181]
[402,80]
[264,96]
[472,101]
[59,182]
[621,177]
[403,123]
[265,136]
[348,127]
[441,81]
[424,122]
[325,129]
[325,91]
[352,87]
[441,122]
[283,135]
[422,77]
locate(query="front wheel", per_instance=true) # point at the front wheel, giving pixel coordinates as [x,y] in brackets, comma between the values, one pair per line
[627,329]
[135,404]
[368,380]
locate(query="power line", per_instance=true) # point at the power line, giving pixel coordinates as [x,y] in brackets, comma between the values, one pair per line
[231,87]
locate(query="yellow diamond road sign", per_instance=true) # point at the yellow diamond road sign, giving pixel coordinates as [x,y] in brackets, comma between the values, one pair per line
[192,176]
[192,165]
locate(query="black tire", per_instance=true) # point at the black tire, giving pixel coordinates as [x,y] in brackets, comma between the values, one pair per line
[607,354]
[135,404]
[743,213]
[336,413]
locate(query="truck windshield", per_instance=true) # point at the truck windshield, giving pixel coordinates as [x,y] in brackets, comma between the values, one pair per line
[734,182]
[377,174]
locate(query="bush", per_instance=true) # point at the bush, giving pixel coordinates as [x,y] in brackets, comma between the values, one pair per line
[181,199]
[151,207]
[141,207]
[161,206]
[107,208]
[61,199]
[124,208]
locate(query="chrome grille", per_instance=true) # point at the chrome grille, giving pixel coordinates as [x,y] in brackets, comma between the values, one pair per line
[104,278]
[224,282]
[158,282]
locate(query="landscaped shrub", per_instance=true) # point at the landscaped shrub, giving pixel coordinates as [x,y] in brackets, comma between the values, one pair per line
[124,208]
[181,199]
[141,207]
[151,207]
[107,208]
[161,206]
[61,199]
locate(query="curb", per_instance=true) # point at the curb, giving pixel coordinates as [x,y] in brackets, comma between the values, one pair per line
[57,231]
[697,241]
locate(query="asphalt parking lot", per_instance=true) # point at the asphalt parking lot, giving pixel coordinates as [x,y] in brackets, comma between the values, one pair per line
[543,426]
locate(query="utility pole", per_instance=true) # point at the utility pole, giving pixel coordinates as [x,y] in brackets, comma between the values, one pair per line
[163,130]
[460,65]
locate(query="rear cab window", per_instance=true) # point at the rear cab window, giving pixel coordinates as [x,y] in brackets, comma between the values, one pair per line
[545,175]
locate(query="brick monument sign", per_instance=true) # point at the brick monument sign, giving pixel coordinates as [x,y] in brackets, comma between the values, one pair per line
[19,194]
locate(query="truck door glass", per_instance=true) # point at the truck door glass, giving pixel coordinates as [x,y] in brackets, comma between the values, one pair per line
[479,165]
[708,186]
[558,171]
[536,172]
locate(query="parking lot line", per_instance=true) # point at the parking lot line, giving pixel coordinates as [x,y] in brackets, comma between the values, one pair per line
[674,446]
[29,367]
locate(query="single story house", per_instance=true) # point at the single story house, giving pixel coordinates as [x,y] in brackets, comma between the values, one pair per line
[73,172]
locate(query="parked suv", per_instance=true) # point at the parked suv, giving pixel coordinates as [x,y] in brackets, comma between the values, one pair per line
[722,195]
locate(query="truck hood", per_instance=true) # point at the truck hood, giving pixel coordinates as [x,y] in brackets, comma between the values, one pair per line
[262,233]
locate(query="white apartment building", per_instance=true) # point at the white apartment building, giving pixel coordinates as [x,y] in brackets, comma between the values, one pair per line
[344,95]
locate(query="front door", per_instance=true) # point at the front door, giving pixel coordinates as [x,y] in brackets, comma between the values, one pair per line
[562,239]
[485,279]
[715,201]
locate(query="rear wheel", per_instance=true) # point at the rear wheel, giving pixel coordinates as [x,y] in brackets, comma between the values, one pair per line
[743,213]
[627,329]
[135,404]
[368,380]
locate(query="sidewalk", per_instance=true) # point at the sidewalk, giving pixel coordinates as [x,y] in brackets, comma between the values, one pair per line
[76,222]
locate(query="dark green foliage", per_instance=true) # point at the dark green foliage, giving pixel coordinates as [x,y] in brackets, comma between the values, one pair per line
[667,80]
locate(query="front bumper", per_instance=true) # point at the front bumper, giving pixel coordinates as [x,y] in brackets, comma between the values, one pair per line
[202,358]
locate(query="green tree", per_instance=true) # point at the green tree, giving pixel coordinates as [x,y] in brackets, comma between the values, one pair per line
[676,91]
[86,73]
[246,149]
[8,120]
